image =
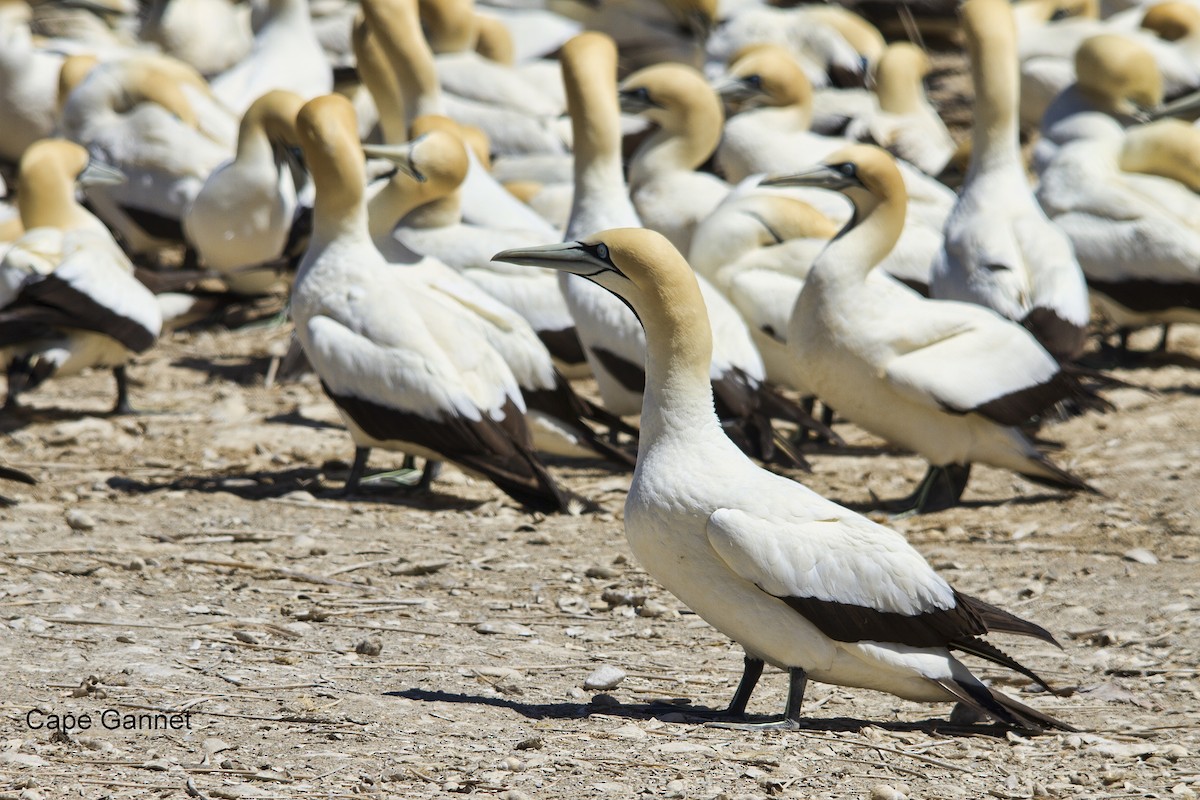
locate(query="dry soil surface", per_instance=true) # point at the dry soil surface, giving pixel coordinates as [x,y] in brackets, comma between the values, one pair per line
[199,560]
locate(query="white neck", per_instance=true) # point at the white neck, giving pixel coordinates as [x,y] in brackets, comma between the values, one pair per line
[865,241]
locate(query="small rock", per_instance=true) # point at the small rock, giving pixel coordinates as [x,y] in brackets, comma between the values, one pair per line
[1141,555]
[30,794]
[513,764]
[503,628]
[1174,752]
[603,678]
[598,571]
[136,564]
[532,743]
[371,646]
[884,792]
[653,609]
[245,636]
[630,731]
[79,521]
[676,789]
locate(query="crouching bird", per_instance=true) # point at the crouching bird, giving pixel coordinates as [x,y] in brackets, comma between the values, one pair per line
[799,581]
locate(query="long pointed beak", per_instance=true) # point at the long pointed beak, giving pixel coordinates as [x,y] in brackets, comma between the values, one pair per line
[398,154]
[97,173]
[1186,107]
[565,257]
[633,102]
[733,90]
[819,177]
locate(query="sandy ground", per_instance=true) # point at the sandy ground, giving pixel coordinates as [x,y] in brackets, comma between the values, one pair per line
[199,559]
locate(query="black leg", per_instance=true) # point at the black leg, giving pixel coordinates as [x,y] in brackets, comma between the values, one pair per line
[122,406]
[797,682]
[428,475]
[409,462]
[941,488]
[751,672]
[361,454]
[1161,347]
[827,416]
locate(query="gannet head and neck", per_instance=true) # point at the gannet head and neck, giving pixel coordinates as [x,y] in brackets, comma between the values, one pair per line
[899,78]
[687,112]
[870,180]
[991,34]
[766,77]
[328,131]
[50,170]
[644,269]
[269,122]
[397,25]
[589,70]
[1118,76]
[1172,20]
[424,193]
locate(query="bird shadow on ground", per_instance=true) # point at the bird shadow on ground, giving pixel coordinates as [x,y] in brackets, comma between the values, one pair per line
[675,712]
[14,420]
[891,506]
[269,485]
[294,417]
[242,370]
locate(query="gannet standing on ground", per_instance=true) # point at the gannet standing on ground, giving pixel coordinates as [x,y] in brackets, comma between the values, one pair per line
[68,297]
[799,581]
[949,380]
[1000,250]
[399,382]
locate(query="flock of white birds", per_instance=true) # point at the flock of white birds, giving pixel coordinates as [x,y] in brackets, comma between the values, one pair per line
[406,170]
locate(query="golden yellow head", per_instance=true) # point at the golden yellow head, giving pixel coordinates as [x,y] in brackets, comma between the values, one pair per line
[1118,73]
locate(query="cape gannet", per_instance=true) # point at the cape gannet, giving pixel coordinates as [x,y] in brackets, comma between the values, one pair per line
[241,221]
[68,297]
[799,581]
[948,380]
[1000,250]
[1130,201]
[398,382]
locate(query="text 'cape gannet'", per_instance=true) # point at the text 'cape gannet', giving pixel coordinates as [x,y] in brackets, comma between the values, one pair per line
[949,380]
[799,581]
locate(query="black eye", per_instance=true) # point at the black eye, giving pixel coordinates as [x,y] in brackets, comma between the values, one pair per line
[847,169]
[642,93]
[602,251]
[753,81]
